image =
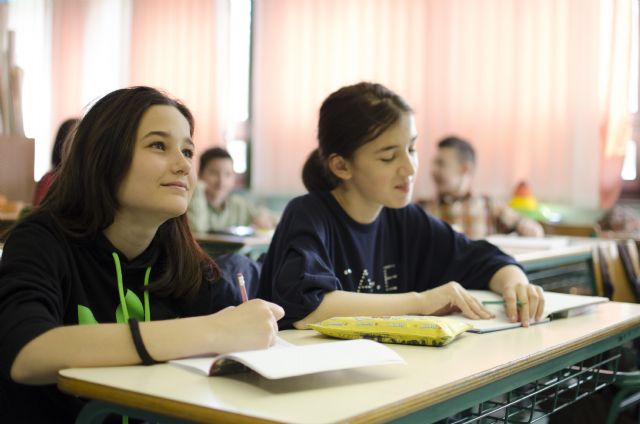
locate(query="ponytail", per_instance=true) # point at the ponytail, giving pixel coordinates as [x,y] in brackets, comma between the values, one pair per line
[349,118]
[316,176]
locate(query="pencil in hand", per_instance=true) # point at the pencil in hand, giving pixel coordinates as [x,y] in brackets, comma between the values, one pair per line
[243,289]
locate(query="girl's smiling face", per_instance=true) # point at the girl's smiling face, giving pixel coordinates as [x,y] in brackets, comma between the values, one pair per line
[160,180]
[381,172]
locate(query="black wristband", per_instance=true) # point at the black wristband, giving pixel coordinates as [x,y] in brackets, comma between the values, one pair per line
[137,341]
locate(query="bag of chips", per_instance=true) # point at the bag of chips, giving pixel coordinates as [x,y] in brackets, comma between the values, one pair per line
[406,329]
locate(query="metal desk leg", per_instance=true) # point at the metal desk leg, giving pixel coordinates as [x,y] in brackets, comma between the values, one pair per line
[96,411]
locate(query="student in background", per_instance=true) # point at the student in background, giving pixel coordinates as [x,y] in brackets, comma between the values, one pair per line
[106,271]
[214,207]
[354,245]
[476,216]
[64,131]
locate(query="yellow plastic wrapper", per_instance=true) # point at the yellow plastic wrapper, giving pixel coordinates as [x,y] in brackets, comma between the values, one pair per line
[407,329]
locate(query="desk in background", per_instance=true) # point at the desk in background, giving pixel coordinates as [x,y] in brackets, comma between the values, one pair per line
[567,270]
[217,244]
[435,383]
[565,265]
[560,264]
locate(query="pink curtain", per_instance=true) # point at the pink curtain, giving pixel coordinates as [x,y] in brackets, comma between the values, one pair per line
[519,79]
[304,50]
[530,83]
[180,46]
[616,120]
[67,46]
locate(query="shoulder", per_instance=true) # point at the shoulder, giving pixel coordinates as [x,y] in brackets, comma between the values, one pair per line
[411,212]
[198,190]
[37,223]
[198,198]
[313,207]
[36,236]
[309,213]
[312,202]
[48,177]
[414,221]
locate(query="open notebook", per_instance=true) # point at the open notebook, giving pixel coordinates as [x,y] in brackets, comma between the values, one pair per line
[555,305]
[287,360]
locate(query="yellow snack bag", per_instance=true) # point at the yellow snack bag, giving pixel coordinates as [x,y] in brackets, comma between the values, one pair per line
[406,329]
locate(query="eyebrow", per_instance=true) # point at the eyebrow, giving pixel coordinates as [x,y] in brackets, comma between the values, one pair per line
[165,135]
[394,147]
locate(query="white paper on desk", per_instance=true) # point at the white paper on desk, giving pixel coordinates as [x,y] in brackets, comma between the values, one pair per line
[292,360]
[555,303]
[529,243]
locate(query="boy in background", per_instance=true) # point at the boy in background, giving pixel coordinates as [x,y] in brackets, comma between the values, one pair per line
[476,216]
[214,207]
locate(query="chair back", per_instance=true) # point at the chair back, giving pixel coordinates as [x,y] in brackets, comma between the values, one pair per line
[617,270]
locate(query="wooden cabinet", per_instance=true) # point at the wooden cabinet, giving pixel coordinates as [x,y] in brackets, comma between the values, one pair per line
[16,167]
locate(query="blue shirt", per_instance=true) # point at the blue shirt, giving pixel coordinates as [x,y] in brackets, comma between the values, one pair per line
[318,248]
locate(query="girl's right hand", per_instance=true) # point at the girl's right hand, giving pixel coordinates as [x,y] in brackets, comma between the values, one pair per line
[449,298]
[250,325]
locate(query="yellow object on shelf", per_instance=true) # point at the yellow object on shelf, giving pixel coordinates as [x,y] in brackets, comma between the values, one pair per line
[10,210]
[527,203]
[523,200]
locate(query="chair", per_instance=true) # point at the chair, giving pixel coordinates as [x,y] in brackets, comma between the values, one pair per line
[611,276]
[617,276]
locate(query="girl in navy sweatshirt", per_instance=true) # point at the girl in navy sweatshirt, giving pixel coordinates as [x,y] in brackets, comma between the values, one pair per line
[105,272]
[356,246]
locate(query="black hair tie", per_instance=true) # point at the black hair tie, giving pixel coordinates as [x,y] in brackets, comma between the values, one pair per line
[137,341]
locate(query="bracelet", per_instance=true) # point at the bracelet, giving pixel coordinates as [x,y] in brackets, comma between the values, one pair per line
[137,341]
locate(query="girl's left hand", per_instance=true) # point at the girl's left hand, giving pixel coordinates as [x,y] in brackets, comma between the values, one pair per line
[523,302]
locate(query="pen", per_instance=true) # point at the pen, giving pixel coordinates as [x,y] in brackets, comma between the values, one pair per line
[243,289]
[497,302]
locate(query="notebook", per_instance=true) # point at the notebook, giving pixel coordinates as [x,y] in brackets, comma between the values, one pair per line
[287,360]
[556,304]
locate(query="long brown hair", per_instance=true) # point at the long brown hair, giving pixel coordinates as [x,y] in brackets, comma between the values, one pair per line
[83,197]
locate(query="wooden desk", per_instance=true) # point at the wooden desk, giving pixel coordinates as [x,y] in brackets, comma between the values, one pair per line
[16,167]
[435,383]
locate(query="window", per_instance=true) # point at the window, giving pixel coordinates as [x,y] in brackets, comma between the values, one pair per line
[629,174]
[238,104]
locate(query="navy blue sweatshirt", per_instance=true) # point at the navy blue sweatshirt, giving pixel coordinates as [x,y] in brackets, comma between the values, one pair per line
[46,278]
[318,248]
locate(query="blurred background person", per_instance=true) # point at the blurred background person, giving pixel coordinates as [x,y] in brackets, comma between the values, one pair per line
[214,207]
[64,132]
[475,215]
